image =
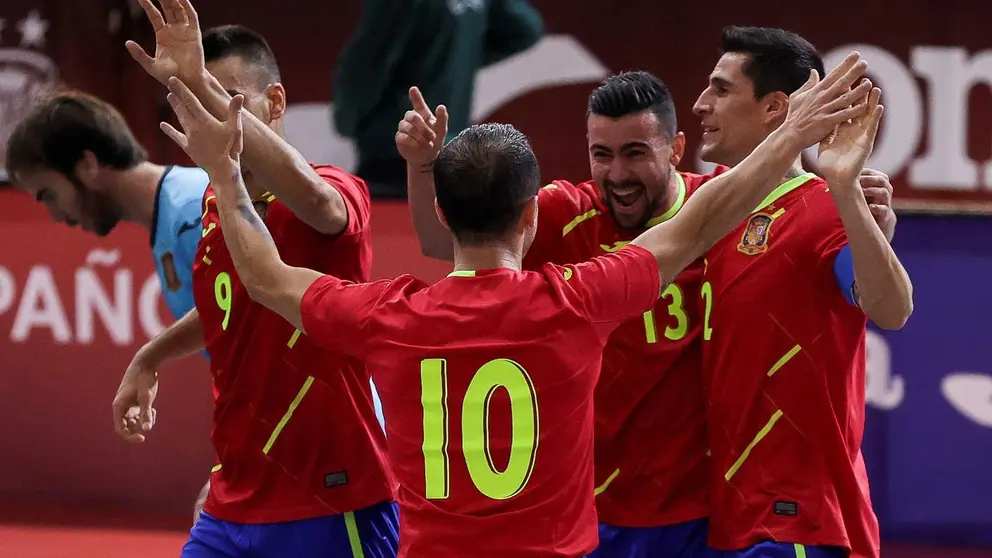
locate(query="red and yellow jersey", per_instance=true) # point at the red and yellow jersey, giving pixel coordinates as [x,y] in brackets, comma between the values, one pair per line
[294,428]
[651,463]
[784,362]
[487,378]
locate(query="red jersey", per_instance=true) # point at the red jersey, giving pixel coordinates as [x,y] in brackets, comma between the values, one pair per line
[487,378]
[784,362]
[294,427]
[651,463]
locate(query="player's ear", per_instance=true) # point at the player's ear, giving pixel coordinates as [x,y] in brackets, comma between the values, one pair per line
[678,149]
[440,215]
[528,217]
[776,106]
[87,168]
[275,95]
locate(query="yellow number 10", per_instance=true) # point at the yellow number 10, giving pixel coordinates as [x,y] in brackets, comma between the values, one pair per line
[525,424]
[222,292]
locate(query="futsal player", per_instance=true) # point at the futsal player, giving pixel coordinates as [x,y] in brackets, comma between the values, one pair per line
[785,299]
[651,497]
[300,467]
[492,369]
[77,156]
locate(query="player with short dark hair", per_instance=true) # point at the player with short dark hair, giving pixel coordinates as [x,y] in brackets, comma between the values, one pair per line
[301,458]
[246,45]
[651,497]
[784,322]
[488,375]
[77,156]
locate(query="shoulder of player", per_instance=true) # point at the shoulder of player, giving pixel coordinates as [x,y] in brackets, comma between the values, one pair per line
[340,178]
[181,199]
[694,180]
[565,202]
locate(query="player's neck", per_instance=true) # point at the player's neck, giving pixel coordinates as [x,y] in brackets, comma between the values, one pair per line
[135,190]
[474,258]
[795,170]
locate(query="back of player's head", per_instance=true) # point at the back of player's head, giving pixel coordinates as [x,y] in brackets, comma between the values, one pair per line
[632,92]
[62,126]
[483,178]
[237,40]
[778,60]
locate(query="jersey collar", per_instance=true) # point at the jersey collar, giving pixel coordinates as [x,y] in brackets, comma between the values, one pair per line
[784,188]
[462,273]
[679,202]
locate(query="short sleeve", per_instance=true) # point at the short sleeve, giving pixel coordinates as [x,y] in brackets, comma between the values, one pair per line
[615,287]
[554,210]
[355,194]
[832,247]
[336,313]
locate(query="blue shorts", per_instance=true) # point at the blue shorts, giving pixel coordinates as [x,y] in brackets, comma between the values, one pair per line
[372,532]
[771,549]
[683,540]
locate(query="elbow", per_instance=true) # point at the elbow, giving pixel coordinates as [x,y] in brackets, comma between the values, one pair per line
[892,316]
[259,290]
[325,211]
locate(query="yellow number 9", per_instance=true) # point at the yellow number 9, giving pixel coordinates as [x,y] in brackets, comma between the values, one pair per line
[222,292]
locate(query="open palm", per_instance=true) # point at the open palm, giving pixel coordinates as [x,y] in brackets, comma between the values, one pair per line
[843,154]
[178,43]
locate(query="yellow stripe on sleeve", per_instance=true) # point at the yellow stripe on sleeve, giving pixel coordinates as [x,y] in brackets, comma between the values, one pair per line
[216,468]
[289,414]
[747,451]
[575,222]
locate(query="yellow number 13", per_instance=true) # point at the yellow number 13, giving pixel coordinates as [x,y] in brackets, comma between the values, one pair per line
[675,310]
[492,483]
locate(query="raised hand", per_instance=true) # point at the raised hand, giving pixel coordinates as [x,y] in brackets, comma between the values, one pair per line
[214,145]
[178,43]
[818,107]
[844,152]
[421,132]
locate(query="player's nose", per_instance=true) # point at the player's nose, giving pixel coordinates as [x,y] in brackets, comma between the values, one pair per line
[701,106]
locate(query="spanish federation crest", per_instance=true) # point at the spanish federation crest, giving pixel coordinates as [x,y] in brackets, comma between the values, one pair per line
[24,74]
[755,238]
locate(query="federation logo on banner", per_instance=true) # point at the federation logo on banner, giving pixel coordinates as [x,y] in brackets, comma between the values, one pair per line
[25,72]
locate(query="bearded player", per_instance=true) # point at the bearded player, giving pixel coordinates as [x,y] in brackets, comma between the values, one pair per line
[300,467]
[785,300]
[441,363]
[651,497]
[76,155]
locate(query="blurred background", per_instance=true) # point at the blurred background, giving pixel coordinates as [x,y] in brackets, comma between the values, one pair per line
[74,308]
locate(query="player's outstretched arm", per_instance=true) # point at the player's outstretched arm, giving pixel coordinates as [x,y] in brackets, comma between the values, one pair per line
[883,288]
[133,406]
[419,138]
[215,145]
[722,203]
[277,164]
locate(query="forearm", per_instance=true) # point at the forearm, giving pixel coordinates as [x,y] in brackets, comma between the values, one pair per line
[182,338]
[435,239]
[721,204]
[252,249]
[279,166]
[884,290]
